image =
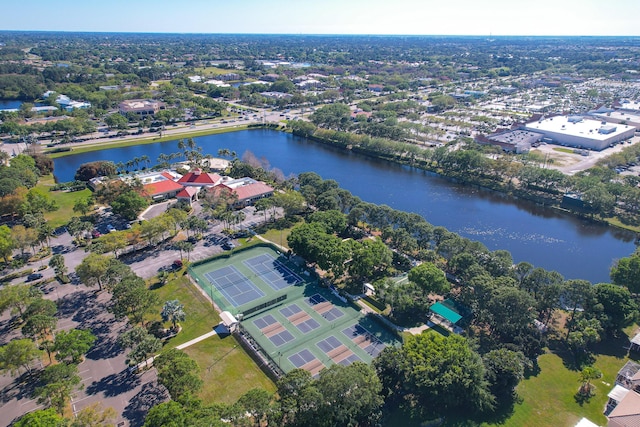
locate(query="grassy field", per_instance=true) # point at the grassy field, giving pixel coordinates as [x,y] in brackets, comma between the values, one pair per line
[564,150]
[278,237]
[216,71]
[200,315]
[548,398]
[145,140]
[65,201]
[227,371]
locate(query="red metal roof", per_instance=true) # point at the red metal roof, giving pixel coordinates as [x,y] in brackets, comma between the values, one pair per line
[252,190]
[187,193]
[162,187]
[200,178]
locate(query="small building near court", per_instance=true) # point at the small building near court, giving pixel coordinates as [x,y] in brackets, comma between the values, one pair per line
[229,321]
[444,315]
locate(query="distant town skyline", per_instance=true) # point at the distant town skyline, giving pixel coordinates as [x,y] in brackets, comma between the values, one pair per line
[402,17]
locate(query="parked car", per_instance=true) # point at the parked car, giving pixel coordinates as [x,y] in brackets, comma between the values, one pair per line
[110,228]
[95,234]
[177,264]
[34,276]
[227,246]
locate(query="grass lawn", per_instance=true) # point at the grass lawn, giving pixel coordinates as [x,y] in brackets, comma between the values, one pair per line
[64,199]
[200,315]
[548,397]
[228,372]
[564,150]
[278,236]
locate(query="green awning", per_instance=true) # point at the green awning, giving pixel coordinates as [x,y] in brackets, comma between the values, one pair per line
[445,312]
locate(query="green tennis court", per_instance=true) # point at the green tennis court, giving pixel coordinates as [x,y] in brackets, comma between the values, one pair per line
[294,321]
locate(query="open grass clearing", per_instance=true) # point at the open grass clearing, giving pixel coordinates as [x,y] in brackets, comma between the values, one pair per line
[64,199]
[227,371]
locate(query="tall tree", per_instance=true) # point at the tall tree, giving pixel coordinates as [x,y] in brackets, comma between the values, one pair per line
[72,345]
[442,376]
[92,269]
[132,298]
[430,278]
[18,354]
[57,263]
[178,373]
[60,381]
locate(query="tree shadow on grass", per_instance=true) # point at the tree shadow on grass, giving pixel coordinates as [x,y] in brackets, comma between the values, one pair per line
[150,396]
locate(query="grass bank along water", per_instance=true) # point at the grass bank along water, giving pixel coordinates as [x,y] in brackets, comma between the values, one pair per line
[99,144]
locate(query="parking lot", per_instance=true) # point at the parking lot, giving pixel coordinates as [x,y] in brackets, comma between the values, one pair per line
[103,372]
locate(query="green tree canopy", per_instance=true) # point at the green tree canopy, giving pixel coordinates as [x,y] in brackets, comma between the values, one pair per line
[430,278]
[438,375]
[72,345]
[178,373]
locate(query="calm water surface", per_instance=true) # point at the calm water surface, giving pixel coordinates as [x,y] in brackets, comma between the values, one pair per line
[531,233]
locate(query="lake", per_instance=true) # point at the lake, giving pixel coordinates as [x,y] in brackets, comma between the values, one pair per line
[539,235]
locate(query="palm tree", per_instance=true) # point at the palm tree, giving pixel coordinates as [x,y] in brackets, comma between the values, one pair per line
[144,158]
[586,375]
[224,152]
[173,311]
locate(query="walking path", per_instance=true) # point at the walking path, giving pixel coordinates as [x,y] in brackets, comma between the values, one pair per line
[140,366]
[197,340]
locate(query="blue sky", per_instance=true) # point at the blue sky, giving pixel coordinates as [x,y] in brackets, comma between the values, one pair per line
[441,17]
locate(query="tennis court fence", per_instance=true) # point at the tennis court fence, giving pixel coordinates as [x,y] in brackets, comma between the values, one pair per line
[258,354]
[264,305]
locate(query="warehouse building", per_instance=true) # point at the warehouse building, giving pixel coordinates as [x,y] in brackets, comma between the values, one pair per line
[576,131]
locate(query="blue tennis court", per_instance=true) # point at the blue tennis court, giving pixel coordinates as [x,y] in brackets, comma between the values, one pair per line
[307,326]
[263,322]
[301,358]
[235,287]
[290,310]
[329,344]
[315,300]
[365,340]
[281,338]
[332,314]
[273,272]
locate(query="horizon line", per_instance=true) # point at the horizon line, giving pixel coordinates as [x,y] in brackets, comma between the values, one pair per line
[321,34]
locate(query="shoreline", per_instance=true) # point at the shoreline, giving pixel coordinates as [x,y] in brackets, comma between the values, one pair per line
[101,144]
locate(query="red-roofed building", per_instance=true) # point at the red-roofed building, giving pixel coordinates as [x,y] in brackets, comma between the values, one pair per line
[200,179]
[247,190]
[188,194]
[162,189]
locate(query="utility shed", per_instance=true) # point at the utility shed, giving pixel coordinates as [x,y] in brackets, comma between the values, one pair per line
[229,320]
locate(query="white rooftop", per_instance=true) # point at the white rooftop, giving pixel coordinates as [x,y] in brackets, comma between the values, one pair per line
[586,423]
[631,105]
[586,128]
[629,116]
